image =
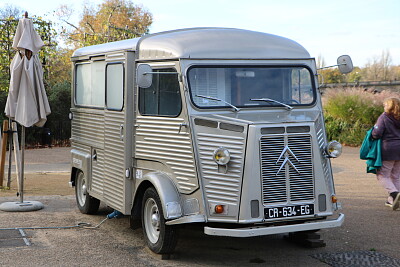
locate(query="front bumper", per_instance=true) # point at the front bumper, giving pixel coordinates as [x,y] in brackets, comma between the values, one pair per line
[270,230]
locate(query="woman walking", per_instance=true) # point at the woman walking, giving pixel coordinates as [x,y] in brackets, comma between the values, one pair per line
[387,128]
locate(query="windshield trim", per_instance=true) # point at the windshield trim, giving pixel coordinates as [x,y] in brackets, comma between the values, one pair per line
[266,105]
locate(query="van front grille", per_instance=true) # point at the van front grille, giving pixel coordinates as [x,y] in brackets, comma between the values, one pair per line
[286,168]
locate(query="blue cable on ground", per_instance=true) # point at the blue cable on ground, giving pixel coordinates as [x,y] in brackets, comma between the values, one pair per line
[115,214]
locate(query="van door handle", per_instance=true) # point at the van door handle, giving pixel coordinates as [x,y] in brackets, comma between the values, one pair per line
[94,156]
[183,124]
[121,132]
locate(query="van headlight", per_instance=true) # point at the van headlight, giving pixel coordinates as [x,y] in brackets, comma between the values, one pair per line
[222,156]
[334,149]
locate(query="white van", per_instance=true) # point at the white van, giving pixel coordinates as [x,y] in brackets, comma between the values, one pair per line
[217,126]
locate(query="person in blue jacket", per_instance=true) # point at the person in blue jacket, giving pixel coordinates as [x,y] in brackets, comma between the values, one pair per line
[387,128]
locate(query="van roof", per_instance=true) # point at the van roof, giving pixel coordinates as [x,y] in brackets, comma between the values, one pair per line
[200,43]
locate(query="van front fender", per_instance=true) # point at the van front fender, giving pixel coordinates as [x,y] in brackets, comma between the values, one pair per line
[168,193]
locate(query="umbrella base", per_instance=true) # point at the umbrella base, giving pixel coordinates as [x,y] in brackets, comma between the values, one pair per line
[21,206]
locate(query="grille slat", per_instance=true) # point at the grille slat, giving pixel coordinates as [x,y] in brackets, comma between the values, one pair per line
[286,184]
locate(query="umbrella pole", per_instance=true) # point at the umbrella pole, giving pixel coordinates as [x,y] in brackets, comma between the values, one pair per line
[3,151]
[17,155]
[10,148]
[21,193]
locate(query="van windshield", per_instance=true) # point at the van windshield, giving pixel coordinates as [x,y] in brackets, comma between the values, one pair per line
[221,87]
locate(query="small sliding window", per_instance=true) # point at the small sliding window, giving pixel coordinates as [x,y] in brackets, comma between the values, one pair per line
[115,86]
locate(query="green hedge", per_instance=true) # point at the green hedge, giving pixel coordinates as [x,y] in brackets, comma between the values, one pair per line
[350,112]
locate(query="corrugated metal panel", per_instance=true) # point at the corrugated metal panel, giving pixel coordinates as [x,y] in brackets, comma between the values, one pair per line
[281,181]
[88,128]
[88,133]
[164,139]
[97,184]
[326,164]
[114,159]
[96,173]
[80,147]
[219,186]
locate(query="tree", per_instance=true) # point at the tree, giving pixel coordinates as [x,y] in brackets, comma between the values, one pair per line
[10,11]
[379,68]
[110,21]
[7,23]
[355,75]
[333,75]
[8,26]
[60,62]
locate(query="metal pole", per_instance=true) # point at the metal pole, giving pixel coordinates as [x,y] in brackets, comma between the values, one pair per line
[3,151]
[10,145]
[22,162]
[17,155]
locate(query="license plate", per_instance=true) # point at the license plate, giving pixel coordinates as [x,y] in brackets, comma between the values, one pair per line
[289,211]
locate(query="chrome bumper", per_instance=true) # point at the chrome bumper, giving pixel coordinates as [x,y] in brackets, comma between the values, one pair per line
[270,230]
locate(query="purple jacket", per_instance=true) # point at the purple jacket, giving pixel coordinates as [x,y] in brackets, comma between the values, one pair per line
[387,128]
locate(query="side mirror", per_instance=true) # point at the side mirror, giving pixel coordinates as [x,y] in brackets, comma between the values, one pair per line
[345,64]
[144,75]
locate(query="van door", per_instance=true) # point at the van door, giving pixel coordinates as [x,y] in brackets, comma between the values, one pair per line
[163,139]
[114,117]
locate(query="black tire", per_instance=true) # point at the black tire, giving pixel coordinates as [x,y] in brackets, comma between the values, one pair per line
[160,238]
[86,203]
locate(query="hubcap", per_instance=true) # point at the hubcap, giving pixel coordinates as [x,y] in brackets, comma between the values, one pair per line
[152,220]
[155,220]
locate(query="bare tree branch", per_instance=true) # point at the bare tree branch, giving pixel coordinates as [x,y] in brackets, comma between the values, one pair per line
[72,25]
[91,27]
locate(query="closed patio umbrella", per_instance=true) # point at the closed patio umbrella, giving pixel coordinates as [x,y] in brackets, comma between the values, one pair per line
[27,101]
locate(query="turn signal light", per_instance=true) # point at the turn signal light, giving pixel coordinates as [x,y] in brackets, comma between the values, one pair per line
[334,199]
[219,209]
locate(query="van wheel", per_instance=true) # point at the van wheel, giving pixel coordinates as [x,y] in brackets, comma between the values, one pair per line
[160,238]
[86,203]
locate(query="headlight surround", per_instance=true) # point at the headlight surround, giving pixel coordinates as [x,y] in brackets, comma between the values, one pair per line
[222,156]
[334,149]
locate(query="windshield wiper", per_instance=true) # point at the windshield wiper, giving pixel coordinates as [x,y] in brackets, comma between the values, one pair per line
[236,109]
[272,100]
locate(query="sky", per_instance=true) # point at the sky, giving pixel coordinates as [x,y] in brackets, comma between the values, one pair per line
[363,29]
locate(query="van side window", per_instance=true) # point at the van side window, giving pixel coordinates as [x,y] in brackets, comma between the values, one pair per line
[115,86]
[163,97]
[90,84]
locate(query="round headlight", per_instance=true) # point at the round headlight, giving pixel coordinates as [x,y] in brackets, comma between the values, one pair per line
[222,156]
[334,149]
